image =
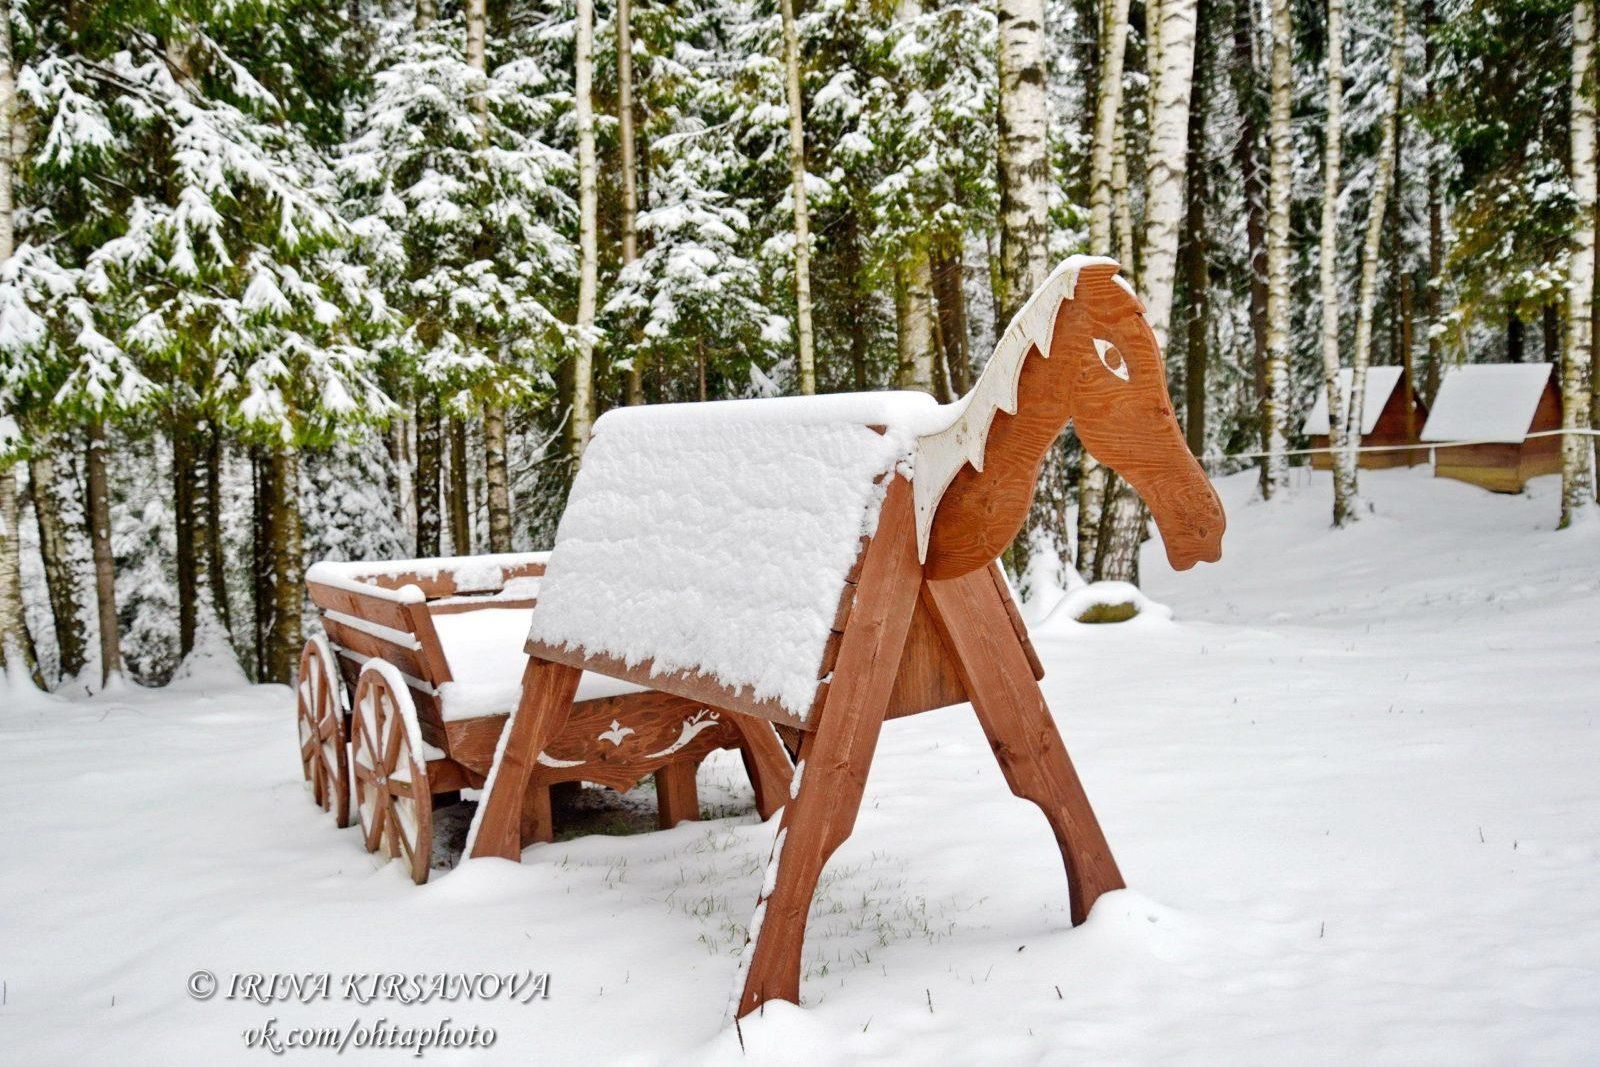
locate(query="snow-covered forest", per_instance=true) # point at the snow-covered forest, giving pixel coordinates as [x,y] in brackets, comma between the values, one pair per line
[286,280]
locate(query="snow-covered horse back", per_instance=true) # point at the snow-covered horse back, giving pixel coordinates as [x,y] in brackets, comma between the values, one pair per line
[827,563]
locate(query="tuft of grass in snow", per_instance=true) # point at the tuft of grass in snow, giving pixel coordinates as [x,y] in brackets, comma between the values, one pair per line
[1098,613]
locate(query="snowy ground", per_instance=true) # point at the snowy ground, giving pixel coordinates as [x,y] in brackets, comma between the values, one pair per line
[1353,784]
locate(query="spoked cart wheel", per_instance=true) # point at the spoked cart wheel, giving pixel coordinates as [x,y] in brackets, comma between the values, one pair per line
[320,716]
[391,773]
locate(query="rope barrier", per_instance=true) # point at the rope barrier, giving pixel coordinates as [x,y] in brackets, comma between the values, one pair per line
[1430,445]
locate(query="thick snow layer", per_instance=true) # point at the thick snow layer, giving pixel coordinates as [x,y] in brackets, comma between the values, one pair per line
[1381,381]
[484,649]
[1351,783]
[1487,402]
[473,574]
[716,537]
[909,411]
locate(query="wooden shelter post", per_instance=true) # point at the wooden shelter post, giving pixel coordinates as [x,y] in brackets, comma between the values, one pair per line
[547,692]
[835,757]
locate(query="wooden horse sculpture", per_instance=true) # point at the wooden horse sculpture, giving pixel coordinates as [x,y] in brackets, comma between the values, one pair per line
[920,614]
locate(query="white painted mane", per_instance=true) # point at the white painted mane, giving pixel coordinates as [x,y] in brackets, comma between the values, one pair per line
[941,454]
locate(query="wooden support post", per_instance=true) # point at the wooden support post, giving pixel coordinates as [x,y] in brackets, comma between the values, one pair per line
[836,756]
[547,692]
[676,797]
[973,623]
[538,825]
[765,762]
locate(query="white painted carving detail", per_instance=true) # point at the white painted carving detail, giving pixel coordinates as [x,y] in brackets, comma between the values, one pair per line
[1110,358]
[693,726]
[551,761]
[616,733]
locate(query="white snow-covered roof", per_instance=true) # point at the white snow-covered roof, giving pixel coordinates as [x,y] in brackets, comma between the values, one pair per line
[1381,382]
[716,538]
[1487,402]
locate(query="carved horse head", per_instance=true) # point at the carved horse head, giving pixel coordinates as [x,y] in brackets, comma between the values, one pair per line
[1079,351]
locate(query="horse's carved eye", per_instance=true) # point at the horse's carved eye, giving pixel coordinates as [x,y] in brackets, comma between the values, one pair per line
[1110,358]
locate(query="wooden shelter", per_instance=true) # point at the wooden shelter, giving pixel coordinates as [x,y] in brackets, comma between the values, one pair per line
[1492,408]
[1391,417]
[843,553]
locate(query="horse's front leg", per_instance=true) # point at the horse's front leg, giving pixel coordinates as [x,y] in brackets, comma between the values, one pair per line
[999,680]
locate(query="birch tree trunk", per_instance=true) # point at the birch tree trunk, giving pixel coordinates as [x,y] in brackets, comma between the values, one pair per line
[1172,47]
[1107,120]
[1246,87]
[582,420]
[914,328]
[630,173]
[98,516]
[805,347]
[1343,461]
[1091,510]
[497,477]
[1171,54]
[398,444]
[284,633]
[1371,248]
[16,651]
[1280,190]
[1107,219]
[1122,200]
[1433,297]
[1024,155]
[1577,450]
[61,584]
[17,665]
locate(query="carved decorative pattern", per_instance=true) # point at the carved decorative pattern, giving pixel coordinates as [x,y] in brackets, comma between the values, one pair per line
[616,734]
[701,720]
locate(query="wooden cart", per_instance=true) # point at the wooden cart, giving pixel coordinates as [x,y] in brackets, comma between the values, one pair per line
[403,702]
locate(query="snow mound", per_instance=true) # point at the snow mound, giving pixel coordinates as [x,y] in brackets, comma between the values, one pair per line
[211,664]
[715,538]
[19,694]
[1102,602]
